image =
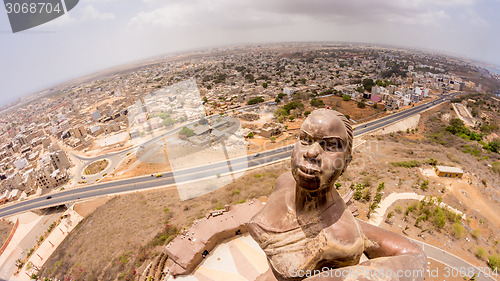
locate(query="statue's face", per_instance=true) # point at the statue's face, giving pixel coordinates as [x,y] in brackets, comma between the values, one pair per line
[319,156]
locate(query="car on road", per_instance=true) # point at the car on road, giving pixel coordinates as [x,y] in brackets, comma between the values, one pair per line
[159,175]
[49,197]
[256,155]
[105,174]
[83,177]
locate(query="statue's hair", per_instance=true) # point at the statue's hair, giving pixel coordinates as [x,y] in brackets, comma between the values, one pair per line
[348,127]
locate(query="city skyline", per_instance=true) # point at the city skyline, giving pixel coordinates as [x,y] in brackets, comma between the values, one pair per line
[97,35]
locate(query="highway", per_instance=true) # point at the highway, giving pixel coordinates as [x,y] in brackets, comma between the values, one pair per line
[195,173]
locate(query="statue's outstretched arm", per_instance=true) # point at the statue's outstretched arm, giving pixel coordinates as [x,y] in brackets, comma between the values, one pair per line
[391,257]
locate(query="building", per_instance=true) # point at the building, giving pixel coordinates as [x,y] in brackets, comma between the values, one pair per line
[449,172]
[13,181]
[21,163]
[59,160]
[270,130]
[47,177]
[78,132]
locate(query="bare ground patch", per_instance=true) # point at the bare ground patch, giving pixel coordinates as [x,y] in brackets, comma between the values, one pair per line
[5,228]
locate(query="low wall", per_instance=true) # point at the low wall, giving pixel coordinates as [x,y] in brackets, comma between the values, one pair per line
[10,237]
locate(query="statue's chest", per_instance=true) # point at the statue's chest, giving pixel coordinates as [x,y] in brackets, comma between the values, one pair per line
[301,249]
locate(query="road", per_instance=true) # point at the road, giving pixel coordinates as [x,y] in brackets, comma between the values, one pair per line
[455,262]
[205,171]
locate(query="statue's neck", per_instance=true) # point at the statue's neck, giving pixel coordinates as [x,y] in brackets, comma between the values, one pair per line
[316,201]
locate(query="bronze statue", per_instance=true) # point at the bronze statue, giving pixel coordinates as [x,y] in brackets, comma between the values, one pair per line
[306,230]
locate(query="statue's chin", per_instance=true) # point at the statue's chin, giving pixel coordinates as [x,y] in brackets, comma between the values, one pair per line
[307,182]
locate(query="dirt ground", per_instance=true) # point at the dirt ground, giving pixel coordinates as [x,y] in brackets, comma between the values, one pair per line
[5,228]
[96,167]
[122,234]
[88,207]
[351,108]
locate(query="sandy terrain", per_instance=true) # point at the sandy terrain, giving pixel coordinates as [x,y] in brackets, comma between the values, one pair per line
[5,228]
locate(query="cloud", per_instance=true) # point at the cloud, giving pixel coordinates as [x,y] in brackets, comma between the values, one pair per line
[91,13]
[256,13]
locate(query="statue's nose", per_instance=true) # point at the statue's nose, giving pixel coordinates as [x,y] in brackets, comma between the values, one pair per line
[313,151]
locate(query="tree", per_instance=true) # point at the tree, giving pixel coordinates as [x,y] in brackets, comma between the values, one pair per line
[368,84]
[361,104]
[346,97]
[186,132]
[317,103]
[255,100]
[168,122]
[306,113]
[250,78]
[494,146]
[264,85]
[250,135]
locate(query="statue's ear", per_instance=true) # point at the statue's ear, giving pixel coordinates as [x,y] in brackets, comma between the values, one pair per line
[348,160]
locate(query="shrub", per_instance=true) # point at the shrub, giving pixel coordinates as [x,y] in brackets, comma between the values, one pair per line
[439,218]
[381,187]
[398,209]
[424,185]
[494,262]
[458,230]
[476,233]
[390,215]
[432,162]
[495,166]
[367,195]
[346,97]
[480,252]
[406,164]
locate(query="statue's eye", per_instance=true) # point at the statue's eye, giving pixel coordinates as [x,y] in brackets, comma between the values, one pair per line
[306,140]
[332,145]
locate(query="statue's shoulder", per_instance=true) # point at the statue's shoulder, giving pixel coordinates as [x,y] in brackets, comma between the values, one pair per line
[278,204]
[284,182]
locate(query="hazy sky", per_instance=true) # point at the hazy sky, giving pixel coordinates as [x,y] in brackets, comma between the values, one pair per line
[98,34]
